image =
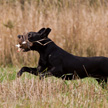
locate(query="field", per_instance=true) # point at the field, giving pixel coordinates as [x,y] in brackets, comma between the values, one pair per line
[78,26]
[30,92]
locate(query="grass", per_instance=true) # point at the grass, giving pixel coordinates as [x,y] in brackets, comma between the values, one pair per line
[30,92]
[79,27]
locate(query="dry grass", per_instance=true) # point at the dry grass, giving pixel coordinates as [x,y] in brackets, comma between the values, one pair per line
[30,92]
[80,27]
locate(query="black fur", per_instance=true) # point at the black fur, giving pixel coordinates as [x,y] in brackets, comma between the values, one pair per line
[62,64]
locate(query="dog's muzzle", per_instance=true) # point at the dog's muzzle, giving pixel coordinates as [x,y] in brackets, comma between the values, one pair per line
[25,45]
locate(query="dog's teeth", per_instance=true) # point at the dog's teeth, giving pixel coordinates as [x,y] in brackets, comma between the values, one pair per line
[18,45]
[24,42]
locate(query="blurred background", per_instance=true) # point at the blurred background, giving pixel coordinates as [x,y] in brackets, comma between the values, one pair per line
[78,26]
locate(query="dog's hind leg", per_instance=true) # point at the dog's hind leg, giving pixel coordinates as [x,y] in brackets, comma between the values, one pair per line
[54,71]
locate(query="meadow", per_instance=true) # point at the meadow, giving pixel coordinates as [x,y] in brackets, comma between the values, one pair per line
[78,26]
[30,92]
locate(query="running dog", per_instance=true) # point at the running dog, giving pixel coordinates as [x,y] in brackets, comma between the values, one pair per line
[57,62]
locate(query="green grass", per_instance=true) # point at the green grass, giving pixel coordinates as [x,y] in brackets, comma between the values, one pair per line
[9,74]
[30,92]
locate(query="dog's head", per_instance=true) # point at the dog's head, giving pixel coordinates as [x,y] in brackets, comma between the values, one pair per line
[26,41]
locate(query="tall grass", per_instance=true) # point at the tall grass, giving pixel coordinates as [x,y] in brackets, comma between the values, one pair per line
[78,26]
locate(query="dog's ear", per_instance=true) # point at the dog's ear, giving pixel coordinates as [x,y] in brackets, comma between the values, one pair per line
[41,30]
[45,33]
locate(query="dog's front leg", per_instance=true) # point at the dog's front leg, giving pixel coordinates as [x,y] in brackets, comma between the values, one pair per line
[27,69]
[34,71]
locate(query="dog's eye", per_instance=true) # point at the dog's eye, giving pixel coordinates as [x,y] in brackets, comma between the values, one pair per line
[29,35]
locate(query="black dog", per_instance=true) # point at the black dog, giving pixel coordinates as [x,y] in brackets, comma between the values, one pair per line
[58,62]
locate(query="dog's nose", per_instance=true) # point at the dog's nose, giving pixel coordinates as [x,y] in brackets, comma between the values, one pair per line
[19,36]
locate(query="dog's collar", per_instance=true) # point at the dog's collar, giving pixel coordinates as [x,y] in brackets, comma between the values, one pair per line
[28,43]
[39,42]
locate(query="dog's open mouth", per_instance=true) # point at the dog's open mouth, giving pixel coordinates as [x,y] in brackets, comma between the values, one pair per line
[20,49]
[23,46]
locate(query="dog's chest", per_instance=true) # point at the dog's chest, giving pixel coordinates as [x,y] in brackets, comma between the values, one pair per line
[44,60]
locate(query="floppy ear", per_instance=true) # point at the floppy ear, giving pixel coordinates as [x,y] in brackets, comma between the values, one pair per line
[41,30]
[45,33]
